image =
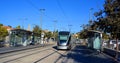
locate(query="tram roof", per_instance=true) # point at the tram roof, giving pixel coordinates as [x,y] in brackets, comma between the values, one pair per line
[65,31]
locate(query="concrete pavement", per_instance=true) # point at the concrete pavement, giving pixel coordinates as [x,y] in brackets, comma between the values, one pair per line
[4,50]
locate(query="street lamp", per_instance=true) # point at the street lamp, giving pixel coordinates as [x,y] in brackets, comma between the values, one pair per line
[23,22]
[55,25]
[54,28]
[41,11]
[42,34]
[69,27]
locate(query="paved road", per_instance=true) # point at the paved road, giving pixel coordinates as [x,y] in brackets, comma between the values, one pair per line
[79,54]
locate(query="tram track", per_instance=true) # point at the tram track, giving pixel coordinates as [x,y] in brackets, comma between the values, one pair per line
[52,54]
[19,52]
[16,49]
[61,56]
[40,55]
[23,54]
[26,55]
[45,57]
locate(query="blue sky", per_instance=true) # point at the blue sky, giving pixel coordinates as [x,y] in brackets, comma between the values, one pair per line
[65,12]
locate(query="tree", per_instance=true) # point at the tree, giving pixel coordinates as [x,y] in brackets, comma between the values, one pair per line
[105,36]
[48,34]
[3,32]
[1,24]
[83,34]
[18,27]
[112,10]
[37,30]
[55,34]
[108,19]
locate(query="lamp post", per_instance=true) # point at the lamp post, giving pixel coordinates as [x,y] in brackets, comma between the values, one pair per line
[55,25]
[54,28]
[23,22]
[69,27]
[41,11]
[42,34]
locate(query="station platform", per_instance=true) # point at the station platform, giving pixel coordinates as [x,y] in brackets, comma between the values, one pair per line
[4,50]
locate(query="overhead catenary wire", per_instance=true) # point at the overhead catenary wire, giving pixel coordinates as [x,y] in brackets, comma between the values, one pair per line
[63,12]
[48,17]
[60,6]
[37,8]
[58,3]
[34,6]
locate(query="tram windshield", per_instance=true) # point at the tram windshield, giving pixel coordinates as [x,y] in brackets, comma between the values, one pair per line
[63,38]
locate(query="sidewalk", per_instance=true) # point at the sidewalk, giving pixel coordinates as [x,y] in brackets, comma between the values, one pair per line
[107,55]
[4,50]
[112,53]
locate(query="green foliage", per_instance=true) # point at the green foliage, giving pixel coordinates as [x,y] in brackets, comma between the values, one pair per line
[48,34]
[1,24]
[3,33]
[37,30]
[108,19]
[105,36]
[18,27]
[55,34]
[82,34]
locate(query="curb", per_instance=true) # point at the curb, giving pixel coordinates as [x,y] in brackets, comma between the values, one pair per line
[114,59]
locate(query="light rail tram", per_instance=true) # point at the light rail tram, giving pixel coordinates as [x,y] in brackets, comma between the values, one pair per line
[64,40]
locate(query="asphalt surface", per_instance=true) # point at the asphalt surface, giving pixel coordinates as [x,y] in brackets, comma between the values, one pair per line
[81,54]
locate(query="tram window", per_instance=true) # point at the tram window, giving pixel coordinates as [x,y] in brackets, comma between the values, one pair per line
[63,37]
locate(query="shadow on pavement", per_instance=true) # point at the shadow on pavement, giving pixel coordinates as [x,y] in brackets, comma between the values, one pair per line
[55,47]
[81,54]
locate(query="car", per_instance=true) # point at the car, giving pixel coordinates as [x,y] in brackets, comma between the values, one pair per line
[2,44]
[113,43]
